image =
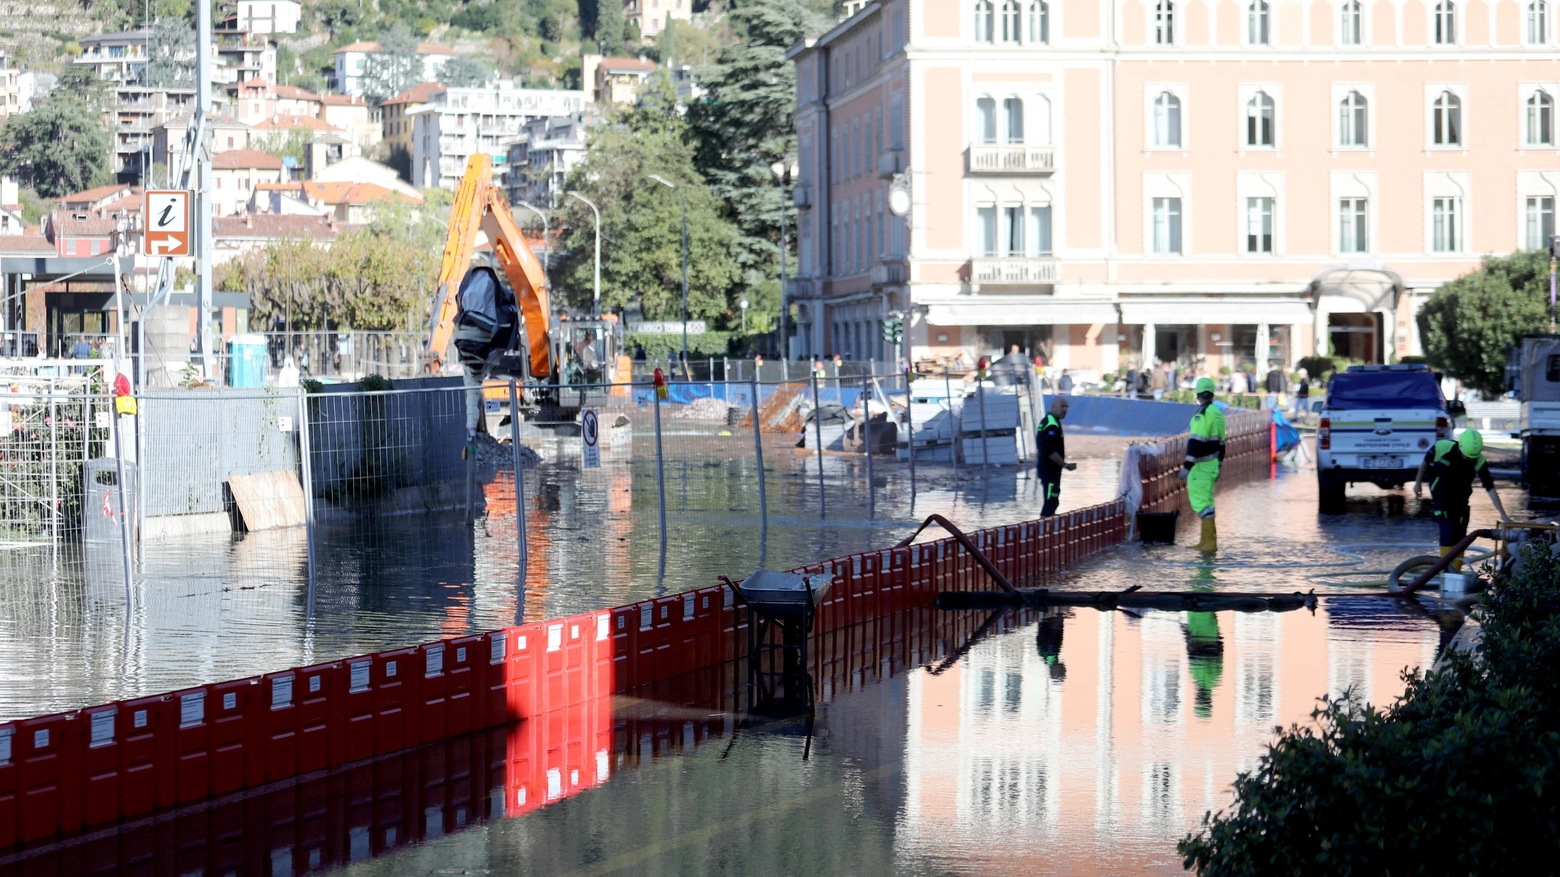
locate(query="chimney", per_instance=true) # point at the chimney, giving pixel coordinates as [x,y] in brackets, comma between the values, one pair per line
[249,221]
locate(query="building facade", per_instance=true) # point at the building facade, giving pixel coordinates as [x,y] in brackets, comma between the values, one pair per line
[269,16]
[653,16]
[458,122]
[540,161]
[1209,183]
[352,63]
[10,89]
[115,57]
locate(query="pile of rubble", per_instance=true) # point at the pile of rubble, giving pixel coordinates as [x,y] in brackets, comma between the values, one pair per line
[495,455]
[707,409]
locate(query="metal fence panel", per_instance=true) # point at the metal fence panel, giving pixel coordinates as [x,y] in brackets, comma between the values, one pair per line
[194,440]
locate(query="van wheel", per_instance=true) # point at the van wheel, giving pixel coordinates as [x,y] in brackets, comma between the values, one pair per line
[1329,492]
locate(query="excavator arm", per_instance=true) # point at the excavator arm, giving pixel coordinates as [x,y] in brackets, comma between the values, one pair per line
[480,206]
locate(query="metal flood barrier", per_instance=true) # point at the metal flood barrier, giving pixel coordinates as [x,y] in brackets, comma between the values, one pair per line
[88,768]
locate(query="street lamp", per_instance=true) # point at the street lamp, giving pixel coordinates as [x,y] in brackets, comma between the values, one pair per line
[596,300]
[783,173]
[744,316]
[668,183]
[543,217]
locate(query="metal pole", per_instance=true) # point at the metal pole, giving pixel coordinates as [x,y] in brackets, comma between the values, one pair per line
[953,425]
[596,300]
[980,402]
[823,510]
[514,441]
[685,281]
[783,246]
[758,454]
[660,477]
[910,433]
[866,442]
[205,190]
[306,466]
[54,477]
[126,546]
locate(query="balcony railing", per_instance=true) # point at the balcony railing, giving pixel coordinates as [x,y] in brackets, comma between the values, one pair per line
[887,273]
[1013,271]
[1013,159]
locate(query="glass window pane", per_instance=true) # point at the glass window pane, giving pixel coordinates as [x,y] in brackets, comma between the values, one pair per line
[988,231]
[1040,231]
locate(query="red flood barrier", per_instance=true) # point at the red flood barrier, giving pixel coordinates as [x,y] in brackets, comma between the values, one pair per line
[124,760]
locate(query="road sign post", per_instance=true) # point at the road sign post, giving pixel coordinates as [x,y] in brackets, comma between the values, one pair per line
[167,223]
[590,432]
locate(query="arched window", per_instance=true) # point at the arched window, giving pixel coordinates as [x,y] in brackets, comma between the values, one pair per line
[1039,22]
[1259,120]
[1349,23]
[1013,114]
[1352,120]
[983,21]
[1012,22]
[1167,120]
[986,120]
[1445,23]
[1540,119]
[1164,23]
[1537,23]
[1257,23]
[1040,114]
[1447,120]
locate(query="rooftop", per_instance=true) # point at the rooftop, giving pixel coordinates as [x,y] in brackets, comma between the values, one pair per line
[626,64]
[276,226]
[417,94]
[237,159]
[371,46]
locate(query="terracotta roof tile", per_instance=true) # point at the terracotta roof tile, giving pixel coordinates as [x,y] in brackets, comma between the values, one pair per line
[417,94]
[276,226]
[235,159]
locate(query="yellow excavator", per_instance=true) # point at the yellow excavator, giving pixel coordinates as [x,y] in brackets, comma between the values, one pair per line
[502,327]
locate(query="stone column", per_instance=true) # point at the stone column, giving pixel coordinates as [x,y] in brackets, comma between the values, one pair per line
[1149,339]
[1260,356]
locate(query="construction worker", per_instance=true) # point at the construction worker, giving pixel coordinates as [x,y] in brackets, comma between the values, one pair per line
[1204,451]
[1451,466]
[1052,449]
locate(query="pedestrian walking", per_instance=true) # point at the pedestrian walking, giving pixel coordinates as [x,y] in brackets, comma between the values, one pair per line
[1052,447]
[1204,452]
[1064,384]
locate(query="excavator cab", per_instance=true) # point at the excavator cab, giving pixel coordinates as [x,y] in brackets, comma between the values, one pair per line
[589,350]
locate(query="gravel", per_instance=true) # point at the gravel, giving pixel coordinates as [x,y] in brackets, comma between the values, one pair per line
[703,409]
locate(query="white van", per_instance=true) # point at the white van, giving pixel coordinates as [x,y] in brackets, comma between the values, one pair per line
[1376,424]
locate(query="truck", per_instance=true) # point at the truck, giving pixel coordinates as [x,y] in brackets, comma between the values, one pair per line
[1533,377]
[1376,425]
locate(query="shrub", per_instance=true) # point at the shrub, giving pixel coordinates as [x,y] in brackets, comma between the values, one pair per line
[1453,778]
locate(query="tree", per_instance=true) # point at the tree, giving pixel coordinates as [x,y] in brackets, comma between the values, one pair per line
[464,71]
[171,54]
[1456,777]
[641,247]
[395,67]
[1468,323]
[742,125]
[58,148]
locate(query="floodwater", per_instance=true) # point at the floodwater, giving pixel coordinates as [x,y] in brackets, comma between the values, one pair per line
[1083,742]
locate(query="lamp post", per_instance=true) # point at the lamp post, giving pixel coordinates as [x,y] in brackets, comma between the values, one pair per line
[783,173]
[546,263]
[744,316]
[668,183]
[596,299]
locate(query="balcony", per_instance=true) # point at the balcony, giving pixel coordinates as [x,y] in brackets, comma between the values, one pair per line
[1014,271]
[890,162]
[890,273]
[1012,159]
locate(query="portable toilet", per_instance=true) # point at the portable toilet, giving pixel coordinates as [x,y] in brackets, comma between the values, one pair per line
[246,361]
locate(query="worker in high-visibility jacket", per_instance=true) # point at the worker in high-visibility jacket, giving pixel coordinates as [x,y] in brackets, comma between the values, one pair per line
[1052,451]
[1451,467]
[1204,451]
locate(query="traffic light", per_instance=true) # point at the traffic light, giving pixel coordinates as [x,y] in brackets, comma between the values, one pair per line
[893,330]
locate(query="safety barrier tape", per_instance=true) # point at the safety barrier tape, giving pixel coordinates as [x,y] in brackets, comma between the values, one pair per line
[121,761]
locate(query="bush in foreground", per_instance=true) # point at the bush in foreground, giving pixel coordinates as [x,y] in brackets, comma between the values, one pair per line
[1455,778]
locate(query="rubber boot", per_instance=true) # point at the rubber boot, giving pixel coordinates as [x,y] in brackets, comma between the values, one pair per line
[1456,565]
[1210,537]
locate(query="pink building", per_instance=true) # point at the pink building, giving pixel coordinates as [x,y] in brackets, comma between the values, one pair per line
[1228,183]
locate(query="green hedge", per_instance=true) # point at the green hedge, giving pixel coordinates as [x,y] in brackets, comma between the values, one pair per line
[658,346]
[1456,777]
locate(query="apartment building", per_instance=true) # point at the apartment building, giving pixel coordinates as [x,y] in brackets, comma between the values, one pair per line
[137,113]
[540,161]
[269,16]
[352,62]
[397,126]
[457,122]
[115,57]
[653,16]
[10,89]
[1164,180]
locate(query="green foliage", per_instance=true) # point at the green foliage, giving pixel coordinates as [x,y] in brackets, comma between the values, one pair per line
[34,206]
[78,83]
[662,347]
[379,277]
[743,125]
[171,54]
[1319,367]
[58,148]
[479,17]
[338,15]
[641,249]
[395,67]
[464,71]
[1468,323]
[1450,779]
[282,144]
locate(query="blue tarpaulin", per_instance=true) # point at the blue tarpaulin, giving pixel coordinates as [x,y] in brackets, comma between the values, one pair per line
[682,393]
[1288,436]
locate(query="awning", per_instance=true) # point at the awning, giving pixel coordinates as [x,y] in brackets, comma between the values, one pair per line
[1214,311]
[1031,313]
